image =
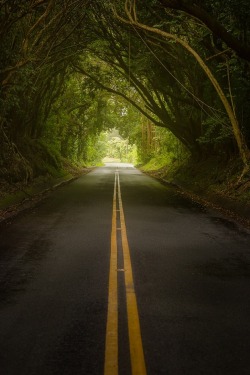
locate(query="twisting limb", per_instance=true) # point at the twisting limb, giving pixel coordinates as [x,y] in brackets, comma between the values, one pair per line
[130,10]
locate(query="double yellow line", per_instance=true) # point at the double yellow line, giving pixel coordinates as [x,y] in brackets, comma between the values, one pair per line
[135,341]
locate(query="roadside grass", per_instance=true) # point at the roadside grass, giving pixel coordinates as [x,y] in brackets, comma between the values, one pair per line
[13,193]
[158,162]
[212,179]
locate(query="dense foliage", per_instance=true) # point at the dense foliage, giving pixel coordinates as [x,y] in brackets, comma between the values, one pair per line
[71,69]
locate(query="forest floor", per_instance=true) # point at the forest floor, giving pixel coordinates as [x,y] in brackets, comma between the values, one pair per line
[210,183]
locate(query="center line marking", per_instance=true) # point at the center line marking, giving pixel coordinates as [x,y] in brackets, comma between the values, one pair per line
[111,345]
[135,341]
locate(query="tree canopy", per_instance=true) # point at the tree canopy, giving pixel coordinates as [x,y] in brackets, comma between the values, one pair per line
[71,69]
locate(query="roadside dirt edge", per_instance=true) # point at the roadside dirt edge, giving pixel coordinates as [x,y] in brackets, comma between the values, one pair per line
[230,208]
[14,210]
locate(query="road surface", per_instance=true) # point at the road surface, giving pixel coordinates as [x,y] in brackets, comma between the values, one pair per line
[118,274]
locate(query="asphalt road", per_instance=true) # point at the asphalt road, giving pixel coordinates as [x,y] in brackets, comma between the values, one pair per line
[191,273]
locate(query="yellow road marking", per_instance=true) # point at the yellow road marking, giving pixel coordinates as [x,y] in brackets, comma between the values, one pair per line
[111,347]
[135,340]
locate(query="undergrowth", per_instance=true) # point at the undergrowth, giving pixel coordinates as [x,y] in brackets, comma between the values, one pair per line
[204,176]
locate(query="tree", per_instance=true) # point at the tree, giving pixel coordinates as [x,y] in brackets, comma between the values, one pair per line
[63,64]
[39,39]
[130,8]
[210,20]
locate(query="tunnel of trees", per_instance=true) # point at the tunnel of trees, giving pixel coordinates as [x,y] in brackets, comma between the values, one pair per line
[172,76]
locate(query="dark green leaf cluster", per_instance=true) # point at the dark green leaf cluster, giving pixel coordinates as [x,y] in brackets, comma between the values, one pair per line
[71,69]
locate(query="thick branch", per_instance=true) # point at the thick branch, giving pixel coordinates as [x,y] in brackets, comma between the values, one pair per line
[211,22]
[116,92]
[241,143]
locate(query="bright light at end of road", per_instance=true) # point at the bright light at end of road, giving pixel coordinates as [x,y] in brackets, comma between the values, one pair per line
[119,165]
